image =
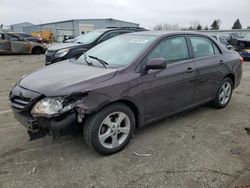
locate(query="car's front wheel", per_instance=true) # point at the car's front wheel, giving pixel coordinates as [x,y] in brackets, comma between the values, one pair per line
[224,93]
[110,130]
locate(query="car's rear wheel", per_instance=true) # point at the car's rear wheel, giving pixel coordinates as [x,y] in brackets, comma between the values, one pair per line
[110,130]
[224,94]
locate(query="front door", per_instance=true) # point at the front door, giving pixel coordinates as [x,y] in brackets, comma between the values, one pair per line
[172,88]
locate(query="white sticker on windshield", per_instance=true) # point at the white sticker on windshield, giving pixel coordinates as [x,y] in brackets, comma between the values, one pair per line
[138,41]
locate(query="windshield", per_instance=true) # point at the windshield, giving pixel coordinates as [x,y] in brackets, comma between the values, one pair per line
[89,37]
[118,51]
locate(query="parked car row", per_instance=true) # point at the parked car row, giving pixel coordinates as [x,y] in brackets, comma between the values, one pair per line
[223,42]
[14,43]
[125,83]
[243,46]
[234,41]
[85,42]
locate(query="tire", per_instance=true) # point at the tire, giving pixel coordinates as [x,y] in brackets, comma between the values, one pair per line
[109,130]
[224,94]
[37,50]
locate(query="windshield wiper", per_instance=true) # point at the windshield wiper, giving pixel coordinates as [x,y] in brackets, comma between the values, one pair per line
[104,63]
[85,59]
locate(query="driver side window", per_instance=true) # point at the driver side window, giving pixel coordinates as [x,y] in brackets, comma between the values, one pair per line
[173,50]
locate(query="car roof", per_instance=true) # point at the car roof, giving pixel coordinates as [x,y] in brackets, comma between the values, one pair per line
[167,33]
[22,33]
[121,28]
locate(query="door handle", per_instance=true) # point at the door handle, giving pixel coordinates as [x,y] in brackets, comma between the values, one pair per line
[189,70]
[221,62]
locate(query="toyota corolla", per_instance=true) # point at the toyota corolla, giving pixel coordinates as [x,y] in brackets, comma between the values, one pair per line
[125,83]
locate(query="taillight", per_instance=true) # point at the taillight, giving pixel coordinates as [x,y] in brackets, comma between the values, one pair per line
[241,60]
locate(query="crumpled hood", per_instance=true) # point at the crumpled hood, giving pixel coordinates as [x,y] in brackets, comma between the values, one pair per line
[63,46]
[65,78]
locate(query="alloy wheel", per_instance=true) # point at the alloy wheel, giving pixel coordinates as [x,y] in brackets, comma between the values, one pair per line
[225,93]
[114,130]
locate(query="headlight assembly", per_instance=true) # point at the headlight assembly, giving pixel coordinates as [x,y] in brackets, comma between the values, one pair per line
[61,53]
[47,107]
[54,106]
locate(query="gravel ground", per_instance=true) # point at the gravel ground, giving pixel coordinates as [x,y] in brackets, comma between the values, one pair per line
[201,148]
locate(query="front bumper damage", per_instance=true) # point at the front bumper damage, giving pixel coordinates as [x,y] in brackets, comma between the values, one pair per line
[64,123]
[56,126]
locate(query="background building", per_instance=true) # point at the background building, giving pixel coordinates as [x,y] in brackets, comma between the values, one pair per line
[19,27]
[75,27]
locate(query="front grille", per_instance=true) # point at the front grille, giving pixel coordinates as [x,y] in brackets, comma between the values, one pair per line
[49,56]
[20,103]
[48,59]
[21,98]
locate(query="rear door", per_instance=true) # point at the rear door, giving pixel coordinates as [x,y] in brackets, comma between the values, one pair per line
[209,62]
[18,44]
[4,44]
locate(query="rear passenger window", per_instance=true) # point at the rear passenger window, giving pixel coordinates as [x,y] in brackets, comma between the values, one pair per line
[216,50]
[173,50]
[202,47]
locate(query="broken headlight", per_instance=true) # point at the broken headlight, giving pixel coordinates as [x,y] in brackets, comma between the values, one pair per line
[47,107]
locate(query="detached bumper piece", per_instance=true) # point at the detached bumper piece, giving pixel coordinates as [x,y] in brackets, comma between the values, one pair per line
[56,127]
[64,126]
[36,135]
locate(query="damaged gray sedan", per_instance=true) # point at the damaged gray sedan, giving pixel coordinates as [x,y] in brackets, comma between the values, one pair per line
[125,83]
[12,43]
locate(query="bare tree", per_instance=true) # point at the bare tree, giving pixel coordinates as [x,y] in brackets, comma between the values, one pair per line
[166,26]
[158,27]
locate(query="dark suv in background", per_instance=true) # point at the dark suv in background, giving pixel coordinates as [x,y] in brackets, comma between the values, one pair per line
[85,42]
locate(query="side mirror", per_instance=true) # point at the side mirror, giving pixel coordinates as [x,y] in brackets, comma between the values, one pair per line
[156,63]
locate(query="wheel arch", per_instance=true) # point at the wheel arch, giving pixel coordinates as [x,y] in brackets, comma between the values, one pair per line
[131,105]
[36,47]
[232,77]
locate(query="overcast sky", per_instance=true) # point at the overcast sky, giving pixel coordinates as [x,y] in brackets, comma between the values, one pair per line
[147,13]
